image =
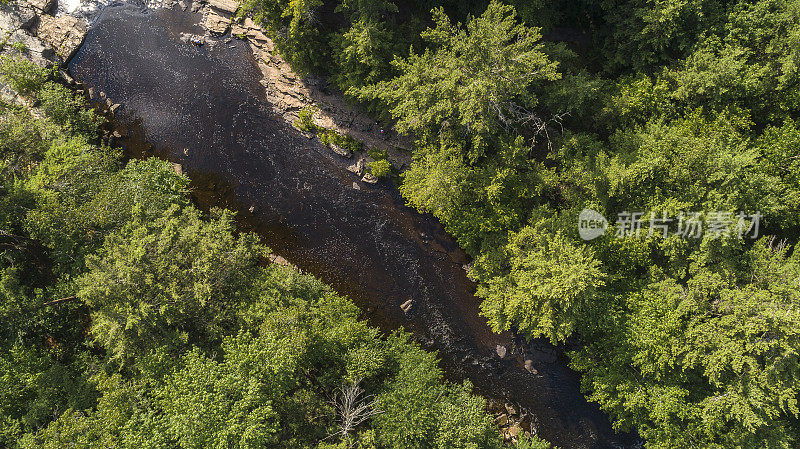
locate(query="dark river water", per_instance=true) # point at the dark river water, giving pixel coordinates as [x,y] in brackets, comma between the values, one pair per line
[203,107]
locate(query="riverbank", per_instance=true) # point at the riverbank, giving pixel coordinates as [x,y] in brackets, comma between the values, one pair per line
[290,94]
[48,49]
[204,107]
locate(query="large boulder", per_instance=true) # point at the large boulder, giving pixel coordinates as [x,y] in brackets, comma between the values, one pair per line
[217,23]
[43,6]
[63,34]
[228,6]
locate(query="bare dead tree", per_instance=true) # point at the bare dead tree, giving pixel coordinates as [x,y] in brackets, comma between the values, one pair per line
[352,408]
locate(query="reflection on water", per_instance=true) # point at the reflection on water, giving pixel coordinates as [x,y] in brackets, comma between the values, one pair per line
[203,107]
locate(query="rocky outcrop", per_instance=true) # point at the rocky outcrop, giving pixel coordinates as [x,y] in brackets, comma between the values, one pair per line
[41,37]
[343,152]
[41,6]
[216,22]
[219,15]
[289,93]
[63,34]
[225,6]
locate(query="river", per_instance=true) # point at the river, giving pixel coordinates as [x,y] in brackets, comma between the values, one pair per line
[203,107]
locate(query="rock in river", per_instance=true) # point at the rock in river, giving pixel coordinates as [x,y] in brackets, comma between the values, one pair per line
[501,351]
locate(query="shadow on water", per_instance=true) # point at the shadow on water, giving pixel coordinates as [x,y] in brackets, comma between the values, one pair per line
[203,107]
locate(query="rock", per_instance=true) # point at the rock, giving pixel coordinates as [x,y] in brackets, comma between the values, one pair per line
[266,45]
[515,430]
[116,134]
[257,35]
[340,151]
[238,30]
[44,6]
[369,178]
[109,103]
[27,17]
[501,351]
[356,186]
[64,34]
[358,167]
[278,260]
[248,23]
[177,168]
[398,165]
[529,367]
[113,108]
[216,23]
[511,409]
[252,208]
[407,306]
[228,6]
[67,78]
[502,420]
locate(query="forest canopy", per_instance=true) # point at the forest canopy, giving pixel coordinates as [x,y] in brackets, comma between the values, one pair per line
[129,318]
[525,114]
[678,113]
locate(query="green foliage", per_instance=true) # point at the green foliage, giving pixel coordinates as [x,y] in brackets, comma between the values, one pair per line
[663,108]
[533,442]
[67,109]
[169,281]
[431,416]
[659,107]
[34,385]
[305,123]
[380,168]
[545,288]
[709,363]
[294,25]
[24,76]
[130,319]
[473,83]
[19,47]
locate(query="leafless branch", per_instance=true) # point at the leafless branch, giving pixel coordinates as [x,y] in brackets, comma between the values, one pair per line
[352,408]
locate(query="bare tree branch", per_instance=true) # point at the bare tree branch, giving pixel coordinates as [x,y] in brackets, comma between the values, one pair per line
[352,408]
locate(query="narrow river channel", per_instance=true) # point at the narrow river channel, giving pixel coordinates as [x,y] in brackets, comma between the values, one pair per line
[203,107]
